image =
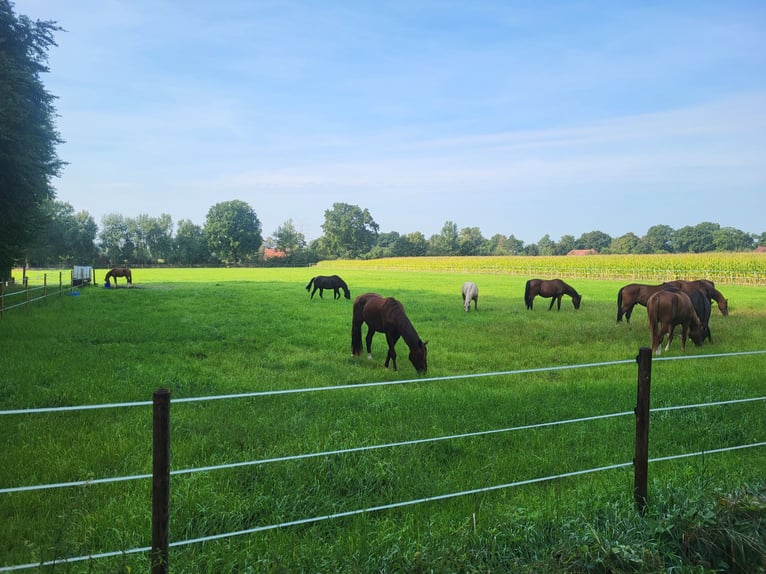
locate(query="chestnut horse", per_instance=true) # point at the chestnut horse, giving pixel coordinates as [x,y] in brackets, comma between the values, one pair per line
[386,315]
[631,295]
[470,293]
[554,288]
[333,282]
[708,288]
[668,308]
[119,272]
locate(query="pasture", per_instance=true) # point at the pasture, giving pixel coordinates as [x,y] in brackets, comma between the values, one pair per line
[213,332]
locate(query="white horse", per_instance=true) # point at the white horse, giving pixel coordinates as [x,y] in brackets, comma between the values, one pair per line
[470,293]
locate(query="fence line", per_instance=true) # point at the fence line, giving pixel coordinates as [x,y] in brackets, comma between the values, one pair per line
[255,394]
[369,510]
[26,290]
[289,458]
[401,503]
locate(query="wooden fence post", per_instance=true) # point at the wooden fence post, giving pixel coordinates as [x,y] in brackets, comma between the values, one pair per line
[641,460]
[160,480]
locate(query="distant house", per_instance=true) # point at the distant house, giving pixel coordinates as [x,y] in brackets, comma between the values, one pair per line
[760,249]
[583,252]
[271,253]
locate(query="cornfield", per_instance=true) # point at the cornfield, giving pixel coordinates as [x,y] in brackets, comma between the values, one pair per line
[724,268]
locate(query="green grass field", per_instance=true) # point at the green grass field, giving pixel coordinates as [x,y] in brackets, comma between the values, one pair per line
[209,332]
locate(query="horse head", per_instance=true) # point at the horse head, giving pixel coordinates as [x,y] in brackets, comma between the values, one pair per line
[419,357]
[576,300]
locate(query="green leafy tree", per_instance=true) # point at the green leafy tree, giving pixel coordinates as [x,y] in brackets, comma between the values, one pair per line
[114,239]
[470,241]
[695,239]
[546,246]
[233,232]
[66,238]
[731,239]
[659,239]
[288,239]
[628,243]
[565,244]
[597,240]
[411,245]
[349,231]
[28,136]
[447,242]
[189,244]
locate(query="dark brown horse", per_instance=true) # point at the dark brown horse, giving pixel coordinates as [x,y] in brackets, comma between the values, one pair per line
[119,272]
[708,288]
[333,282]
[386,315]
[554,288]
[668,308]
[631,295]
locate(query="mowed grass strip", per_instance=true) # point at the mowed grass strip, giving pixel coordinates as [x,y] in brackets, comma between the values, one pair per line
[210,332]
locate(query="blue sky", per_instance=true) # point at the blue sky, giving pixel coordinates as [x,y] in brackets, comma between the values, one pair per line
[523,118]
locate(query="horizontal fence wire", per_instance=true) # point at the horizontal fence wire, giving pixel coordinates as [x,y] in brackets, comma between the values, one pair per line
[370,510]
[255,394]
[288,458]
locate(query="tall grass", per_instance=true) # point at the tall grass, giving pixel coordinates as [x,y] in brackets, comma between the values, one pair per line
[212,332]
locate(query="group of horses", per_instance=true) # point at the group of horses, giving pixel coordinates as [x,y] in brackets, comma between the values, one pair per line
[679,302]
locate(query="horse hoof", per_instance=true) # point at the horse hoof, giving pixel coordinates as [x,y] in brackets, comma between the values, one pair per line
[369,357]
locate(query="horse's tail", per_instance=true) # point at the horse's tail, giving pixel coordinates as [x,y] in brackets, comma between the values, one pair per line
[619,304]
[308,287]
[356,327]
[526,293]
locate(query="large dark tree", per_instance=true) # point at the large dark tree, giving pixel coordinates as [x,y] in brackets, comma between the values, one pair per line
[28,137]
[233,232]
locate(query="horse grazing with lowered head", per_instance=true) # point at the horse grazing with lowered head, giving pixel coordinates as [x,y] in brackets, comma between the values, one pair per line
[386,315]
[322,282]
[708,288]
[119,272]
[669,308]
[554,288]
[631,295]
[470,293]
[700,302]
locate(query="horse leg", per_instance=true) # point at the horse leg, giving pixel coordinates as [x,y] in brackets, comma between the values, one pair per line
[368,339]
[312,293]
[335,294]
[391,339]
[628,312]
[321,290]
[670,336]
[553,300]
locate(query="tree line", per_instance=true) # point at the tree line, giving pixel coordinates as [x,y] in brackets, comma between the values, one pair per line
[232,235]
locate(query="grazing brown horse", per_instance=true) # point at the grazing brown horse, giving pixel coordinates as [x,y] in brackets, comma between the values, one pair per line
[554,288]
[119,272]
[333,282]
[386,315]
[631,295]
[668,308]
[708,288]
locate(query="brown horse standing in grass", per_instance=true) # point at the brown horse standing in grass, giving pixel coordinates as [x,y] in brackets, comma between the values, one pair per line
[631,295]
[554,288]
[119,272]
[666,309]
[386,315]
